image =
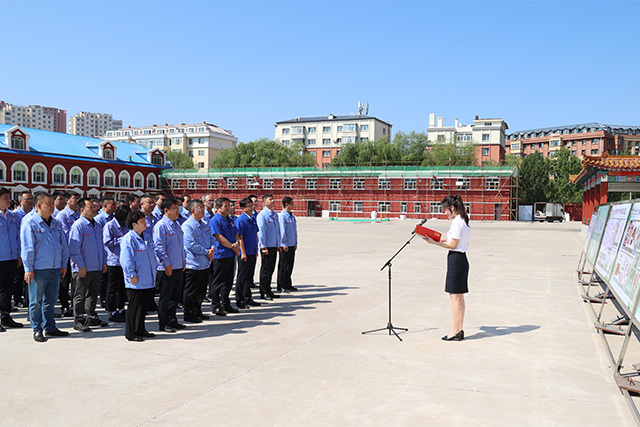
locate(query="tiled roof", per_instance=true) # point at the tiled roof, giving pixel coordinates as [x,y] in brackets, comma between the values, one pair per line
[327,119]
[576,128]
[612,163]
[67,145]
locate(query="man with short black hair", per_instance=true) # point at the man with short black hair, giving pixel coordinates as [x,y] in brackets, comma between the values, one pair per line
[133,201]
[269,239]
[106,214]
[45,255]
[248,231]
[87,253]
[66,218]
[58,202]
[168,240]
[157,211]
[112,234]
[9,258]
[20,290]
[288,243]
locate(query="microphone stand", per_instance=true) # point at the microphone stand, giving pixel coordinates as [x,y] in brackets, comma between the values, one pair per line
[390,326]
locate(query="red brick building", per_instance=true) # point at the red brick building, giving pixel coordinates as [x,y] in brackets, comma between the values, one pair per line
[415,192]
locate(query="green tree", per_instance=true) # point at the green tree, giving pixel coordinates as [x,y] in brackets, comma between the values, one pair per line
[512,160]
[413,146]
[563,164]
[180,160]
[449,154]
[262,153]
[534,182]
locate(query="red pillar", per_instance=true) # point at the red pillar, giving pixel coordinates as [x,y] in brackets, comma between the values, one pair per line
[604,188]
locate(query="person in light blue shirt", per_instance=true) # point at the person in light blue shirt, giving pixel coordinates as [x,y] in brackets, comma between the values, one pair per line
[157,210]
[198,242]
[66,218]
[20,289]
[112,234]
[184,209]
[107,209]
[269,239]
[44,252]
[209,210]
[59,202]
[248,231]
[288,243]
[138,261]
[9,258]
[88,262]
[168,241]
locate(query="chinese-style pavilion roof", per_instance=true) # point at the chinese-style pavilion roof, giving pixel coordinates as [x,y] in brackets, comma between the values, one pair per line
[606,162]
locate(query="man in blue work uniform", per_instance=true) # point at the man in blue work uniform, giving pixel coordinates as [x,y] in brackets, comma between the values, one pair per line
[288,243]
[168,240]
[112,234]
[157,210]
[45,255]
[66,218]
[9,258]
[198,243]
[20,289]
[269,239]
[248,231]
[227,246]
[147,207]
[105,215]
[88,262]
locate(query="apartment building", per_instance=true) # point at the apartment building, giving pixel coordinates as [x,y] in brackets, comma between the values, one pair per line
[487,135]
[34,116]
[202,141]
[323,136]
[591,139]
[93,124]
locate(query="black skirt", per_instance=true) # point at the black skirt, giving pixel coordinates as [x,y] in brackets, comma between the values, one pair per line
[457,273]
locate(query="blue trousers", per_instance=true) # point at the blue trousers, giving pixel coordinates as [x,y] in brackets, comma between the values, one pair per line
[43,294]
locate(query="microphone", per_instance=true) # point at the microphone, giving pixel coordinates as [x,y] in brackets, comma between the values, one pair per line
[421,222]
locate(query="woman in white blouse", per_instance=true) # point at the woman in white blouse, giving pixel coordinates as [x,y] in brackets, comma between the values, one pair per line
[457,242]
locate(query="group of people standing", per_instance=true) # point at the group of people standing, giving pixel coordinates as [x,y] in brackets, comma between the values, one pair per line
[63,247]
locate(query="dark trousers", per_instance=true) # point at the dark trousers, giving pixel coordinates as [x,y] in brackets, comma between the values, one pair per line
[170,290]
[65,283]
[222,282]
[266,270]
[285,267]
[115,289]
[195,288]
[20,287]
[245,278]
[104,287]
[138,300]
[8,271]
[85,295]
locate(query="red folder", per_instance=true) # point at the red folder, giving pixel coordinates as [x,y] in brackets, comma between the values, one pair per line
[424,231]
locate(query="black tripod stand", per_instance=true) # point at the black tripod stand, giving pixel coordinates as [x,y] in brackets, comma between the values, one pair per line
[390,326]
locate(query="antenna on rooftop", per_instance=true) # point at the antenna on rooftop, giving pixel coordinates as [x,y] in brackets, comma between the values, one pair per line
[367,111]
[360,108]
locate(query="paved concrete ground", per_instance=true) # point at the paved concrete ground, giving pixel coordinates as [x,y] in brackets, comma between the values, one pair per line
[531,356]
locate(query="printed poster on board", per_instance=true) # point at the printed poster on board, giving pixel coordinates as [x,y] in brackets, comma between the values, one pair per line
[625,276]
[611,239]
[589,231]
[596,233]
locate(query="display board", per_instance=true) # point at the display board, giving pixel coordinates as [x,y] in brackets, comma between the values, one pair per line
[612,239]
[589,232]
[596,232]
[626,271]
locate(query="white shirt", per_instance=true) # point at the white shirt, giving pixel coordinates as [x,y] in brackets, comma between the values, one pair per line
[460,231]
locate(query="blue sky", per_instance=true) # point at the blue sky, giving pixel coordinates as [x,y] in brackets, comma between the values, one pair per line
[245,65]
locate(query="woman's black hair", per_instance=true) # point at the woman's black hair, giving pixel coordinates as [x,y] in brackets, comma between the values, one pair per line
[121,214]
[134,217]
[456,202]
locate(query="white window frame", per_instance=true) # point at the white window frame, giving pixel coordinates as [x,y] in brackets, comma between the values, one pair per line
[491,183]
[384,207]
[358,183]
[76,168]
[335,183]
[152,177]
[411,183]
[267,183]
[232,183]
[435,208]
[109,174]
[311,184]
[384,183]
[287,183]
[53,175]
[358,206]
[97,183]
[334,206]
[126,174]
[140,177]
[33,170]
[212,183]
[26,171]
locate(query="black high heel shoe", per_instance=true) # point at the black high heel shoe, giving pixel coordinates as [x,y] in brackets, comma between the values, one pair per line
[457,337]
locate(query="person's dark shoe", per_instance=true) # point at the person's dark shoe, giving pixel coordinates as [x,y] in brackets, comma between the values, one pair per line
[94,321]
[81,327]
[272,295]
[148,335]
[39,337]
[67,313]
[10,323]
[192,319]
[13,309]
[242,305]
[57,316]
[267,297]
[2,329]
[57,333]
[292,289]
[219,312]
[167,329]
[118,318]
[284,290]
[136,339]
[177,325]
[252,303]
[230,309]
[203,316]
[457,337]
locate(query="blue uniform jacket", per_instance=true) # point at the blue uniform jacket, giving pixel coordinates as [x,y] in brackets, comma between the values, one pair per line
[197,242]
[225,227]
[248,229]
[157,214]
[42,246]
[137,259]
[168,240]
[102,218]
[9,236]
[112,234]
[86,248]
[288,229]
[67,217]
[268,229]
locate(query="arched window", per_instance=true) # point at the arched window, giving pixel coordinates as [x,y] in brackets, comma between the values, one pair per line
[138,180]
[75,176]
[19,172]
[151,181]
[109,179]
[157,159]
[3,171]
[93,177]
[18,143]
[123,179]
[59,174]
[38,174]
[108,153]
